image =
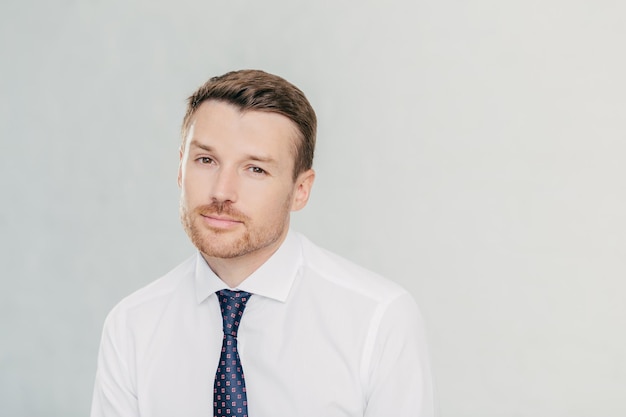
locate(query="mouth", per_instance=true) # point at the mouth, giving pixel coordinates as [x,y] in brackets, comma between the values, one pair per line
[220,222]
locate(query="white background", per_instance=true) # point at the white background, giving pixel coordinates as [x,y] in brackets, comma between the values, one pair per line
[471,150]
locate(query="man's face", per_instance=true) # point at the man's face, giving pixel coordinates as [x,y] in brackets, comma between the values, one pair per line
[236,178]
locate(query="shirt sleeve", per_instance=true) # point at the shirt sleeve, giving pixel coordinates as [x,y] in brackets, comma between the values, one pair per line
[114,391]
[399,377]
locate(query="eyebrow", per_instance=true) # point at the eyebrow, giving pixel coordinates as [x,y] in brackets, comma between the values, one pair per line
[195,144]
[259,158]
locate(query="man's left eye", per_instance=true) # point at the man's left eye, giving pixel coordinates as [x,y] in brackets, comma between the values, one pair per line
[257,170]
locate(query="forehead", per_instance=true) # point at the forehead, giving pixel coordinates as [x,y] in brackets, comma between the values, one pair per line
[222,123]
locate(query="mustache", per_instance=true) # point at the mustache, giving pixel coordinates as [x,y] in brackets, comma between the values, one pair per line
[221,208]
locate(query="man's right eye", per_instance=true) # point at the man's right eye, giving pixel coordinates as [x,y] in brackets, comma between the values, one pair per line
[205,160]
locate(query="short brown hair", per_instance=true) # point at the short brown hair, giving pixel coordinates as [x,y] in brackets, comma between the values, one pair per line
[260,91]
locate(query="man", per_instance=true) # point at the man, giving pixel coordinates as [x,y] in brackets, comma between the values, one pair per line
[314,335]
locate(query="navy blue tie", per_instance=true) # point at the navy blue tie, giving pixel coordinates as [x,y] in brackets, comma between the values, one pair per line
[229,390]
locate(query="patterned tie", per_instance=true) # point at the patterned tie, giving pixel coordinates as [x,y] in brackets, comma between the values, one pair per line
[229,390]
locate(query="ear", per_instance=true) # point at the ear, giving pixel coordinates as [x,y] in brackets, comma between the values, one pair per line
[180,166]
[302,192]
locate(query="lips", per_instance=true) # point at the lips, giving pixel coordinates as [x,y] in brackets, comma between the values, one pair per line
[220,222]
[220,218]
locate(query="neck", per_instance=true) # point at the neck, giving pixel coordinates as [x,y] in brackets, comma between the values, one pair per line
[234,271]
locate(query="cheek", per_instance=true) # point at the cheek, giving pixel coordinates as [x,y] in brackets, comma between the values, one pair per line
[194,178]
[270,203]
[191,191]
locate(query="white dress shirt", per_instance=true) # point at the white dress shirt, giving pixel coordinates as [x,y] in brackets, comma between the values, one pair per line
[320,337]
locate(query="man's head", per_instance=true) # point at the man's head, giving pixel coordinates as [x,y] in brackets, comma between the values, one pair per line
[245,164]
[260,91]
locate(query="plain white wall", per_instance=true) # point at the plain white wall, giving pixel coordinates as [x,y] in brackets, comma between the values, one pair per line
[470,150]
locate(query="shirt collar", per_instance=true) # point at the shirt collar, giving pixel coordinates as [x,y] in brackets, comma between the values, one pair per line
[273,279]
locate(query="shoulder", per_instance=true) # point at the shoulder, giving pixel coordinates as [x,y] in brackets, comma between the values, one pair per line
[154,295]
[342,273]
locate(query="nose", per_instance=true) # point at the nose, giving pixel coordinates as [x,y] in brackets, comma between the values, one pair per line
[225,186]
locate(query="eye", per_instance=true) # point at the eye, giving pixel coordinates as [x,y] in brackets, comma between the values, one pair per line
[205,160]
[257,170]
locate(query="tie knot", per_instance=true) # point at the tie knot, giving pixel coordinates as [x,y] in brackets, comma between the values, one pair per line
[232,304]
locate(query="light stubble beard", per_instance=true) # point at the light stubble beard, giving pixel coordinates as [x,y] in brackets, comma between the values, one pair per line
[217,243]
